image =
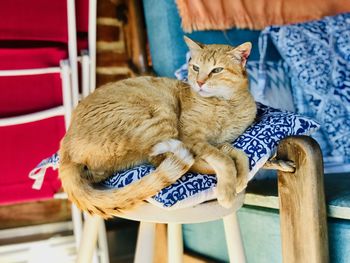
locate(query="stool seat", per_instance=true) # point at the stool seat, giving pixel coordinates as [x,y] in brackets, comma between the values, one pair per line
[149,215]
[204,212]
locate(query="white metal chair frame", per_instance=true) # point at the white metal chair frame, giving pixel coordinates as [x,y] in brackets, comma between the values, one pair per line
[64,110]
[68,71]
[88,57]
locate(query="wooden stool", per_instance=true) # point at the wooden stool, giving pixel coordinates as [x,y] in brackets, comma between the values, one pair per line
[149,215]
[300,183]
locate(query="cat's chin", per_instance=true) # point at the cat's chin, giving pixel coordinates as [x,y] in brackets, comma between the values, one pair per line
[205,94]
[222,93]
[219,95]
[201,92]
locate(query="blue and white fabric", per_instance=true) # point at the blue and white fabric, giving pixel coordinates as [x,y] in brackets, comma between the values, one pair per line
[182,72]
[273,90]
[318,56]
[38,173]
[259,142]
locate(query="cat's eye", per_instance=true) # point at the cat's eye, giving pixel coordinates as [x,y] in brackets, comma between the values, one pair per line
[195,68]
[217,70]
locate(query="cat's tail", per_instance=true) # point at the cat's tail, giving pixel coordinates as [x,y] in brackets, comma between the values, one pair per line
[113,202]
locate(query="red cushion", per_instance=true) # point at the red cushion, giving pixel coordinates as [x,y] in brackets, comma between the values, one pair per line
[27,94]
[82,15]
[31,56]
[82,43]
[22,148]
[34,20]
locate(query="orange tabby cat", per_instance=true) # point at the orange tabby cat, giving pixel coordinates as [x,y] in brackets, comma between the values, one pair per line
[174,125]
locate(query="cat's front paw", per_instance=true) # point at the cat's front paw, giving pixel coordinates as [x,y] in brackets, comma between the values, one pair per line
[226,193]
[242,182]
[241,163]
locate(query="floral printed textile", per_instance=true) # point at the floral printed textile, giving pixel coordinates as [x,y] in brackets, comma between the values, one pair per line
[318,56]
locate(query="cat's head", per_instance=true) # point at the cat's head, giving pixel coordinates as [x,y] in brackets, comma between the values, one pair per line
[217,70]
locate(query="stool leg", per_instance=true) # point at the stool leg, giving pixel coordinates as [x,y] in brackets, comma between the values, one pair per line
[175,243]
[233,239]
[95,258]
[77,224]
[89,238]
[145,243]
[103,242]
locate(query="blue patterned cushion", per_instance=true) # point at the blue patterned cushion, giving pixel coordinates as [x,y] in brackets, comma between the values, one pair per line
[318,55]
[274,92]
[259,142]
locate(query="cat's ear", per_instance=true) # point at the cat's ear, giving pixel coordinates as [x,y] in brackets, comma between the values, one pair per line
[242,52]
[193,46]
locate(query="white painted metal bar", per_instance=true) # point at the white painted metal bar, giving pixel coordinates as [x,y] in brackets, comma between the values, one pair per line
[145,243]
[49,228]
[234,239]
[61,195]
[58,249]
[85,64]
[24,72]
[72,50]
[66,92]
[175,243]
[68,106]
[36,116]
[92,42]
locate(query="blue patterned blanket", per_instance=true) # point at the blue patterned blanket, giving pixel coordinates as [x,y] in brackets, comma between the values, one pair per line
[318,55]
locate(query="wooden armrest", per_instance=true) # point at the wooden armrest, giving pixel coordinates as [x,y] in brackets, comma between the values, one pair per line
[302,202]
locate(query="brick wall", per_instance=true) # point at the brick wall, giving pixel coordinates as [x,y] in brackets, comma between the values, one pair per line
[120,40]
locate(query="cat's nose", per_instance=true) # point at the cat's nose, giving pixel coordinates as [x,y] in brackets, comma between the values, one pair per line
[200,83]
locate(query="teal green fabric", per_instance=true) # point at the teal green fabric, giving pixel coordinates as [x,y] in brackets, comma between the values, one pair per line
[338,190]
[339,240]
[261,237]
[261,241]
[260,226]
[337,187]
[165,36]
[206,239]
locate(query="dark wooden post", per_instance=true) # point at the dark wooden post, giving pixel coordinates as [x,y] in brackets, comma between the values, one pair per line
[302,202]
